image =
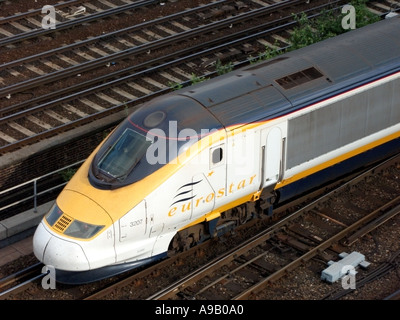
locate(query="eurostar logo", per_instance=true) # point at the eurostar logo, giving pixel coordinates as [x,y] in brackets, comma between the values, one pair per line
[186,203]
[187,188]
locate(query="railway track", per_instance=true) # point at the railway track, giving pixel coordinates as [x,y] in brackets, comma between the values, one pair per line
[68,15]
[20,280]
[16,126]
[49,109]
[110,47]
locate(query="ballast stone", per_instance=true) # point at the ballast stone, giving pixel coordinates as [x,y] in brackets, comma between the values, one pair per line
[338,269]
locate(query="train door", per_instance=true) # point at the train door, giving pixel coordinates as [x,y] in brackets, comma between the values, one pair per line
[273,148]
[217,172]
[243,167]
[132,227]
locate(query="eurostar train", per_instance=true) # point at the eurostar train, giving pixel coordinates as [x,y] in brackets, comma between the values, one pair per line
[194,163]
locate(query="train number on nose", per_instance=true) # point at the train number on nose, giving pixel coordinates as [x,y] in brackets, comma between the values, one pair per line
[136,223]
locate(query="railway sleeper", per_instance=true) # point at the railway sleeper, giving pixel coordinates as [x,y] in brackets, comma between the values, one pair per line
[264,266]
[301,231]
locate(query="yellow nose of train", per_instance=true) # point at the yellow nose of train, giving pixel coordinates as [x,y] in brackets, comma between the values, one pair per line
[62,239]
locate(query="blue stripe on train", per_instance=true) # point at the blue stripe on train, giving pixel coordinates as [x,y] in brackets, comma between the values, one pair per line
[339,170]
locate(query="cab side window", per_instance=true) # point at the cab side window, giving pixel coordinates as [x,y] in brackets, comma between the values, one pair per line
[217,156]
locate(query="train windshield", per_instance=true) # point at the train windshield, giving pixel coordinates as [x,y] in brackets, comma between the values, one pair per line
[122,156]
[152,136]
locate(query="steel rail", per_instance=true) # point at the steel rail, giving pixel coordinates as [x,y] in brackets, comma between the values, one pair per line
[119,78]
[119,73]
[310,254]
[106,36]
[112,109]
[380,271]
[20,286]
[243,35]
[373,225]
[90,65]
[34,12]
[18,276]
[75,22]
[394,296]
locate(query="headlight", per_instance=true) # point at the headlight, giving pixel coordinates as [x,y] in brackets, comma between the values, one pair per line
[73,228]
[82,230]
[53,215]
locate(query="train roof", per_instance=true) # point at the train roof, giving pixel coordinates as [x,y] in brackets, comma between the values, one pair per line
[301,77]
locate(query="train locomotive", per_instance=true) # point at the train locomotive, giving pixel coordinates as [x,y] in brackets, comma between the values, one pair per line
[194,163]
